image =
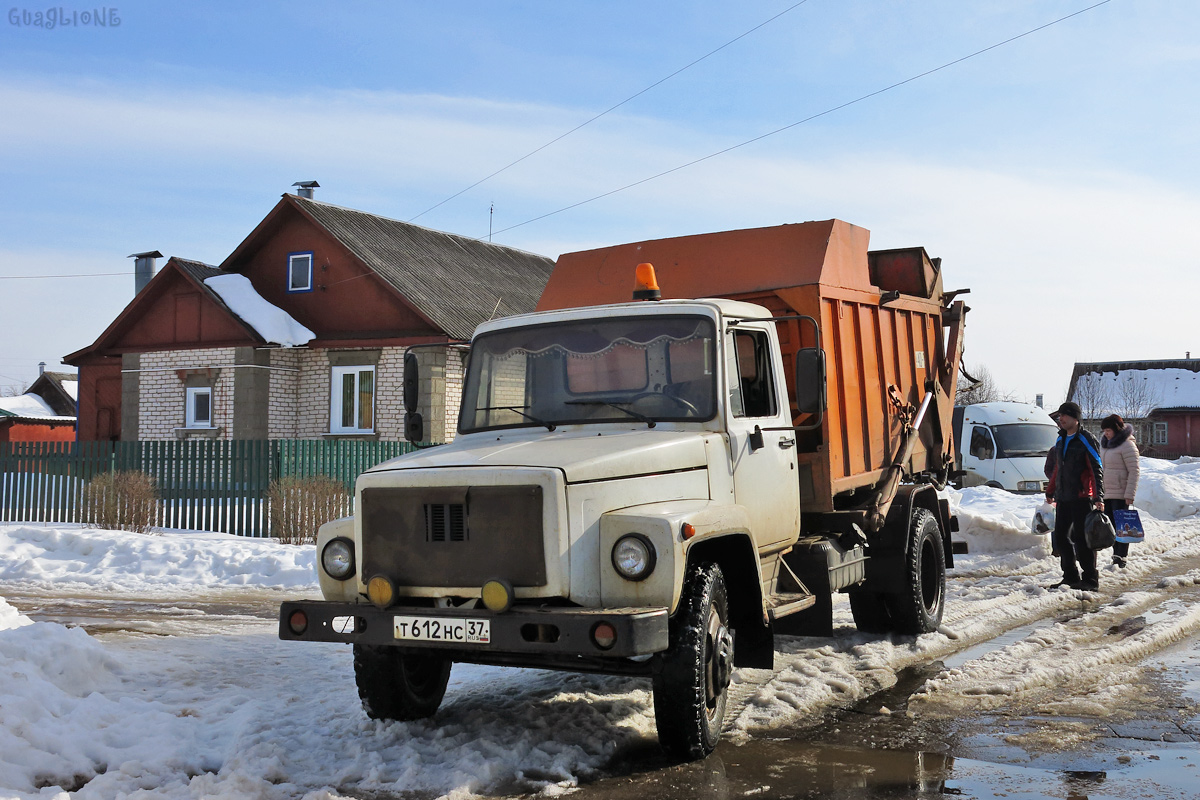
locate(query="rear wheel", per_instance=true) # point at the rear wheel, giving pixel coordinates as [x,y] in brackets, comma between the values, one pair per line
[397,685]
[690,691]
[918,607]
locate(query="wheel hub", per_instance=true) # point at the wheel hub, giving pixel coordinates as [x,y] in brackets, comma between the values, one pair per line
[722,664]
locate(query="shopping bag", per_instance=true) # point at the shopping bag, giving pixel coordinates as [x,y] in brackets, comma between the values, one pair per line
[1129,526]
[1098,530]
[1043,519]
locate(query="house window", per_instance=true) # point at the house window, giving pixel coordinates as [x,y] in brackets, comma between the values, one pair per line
[199,407]
[1160,433]
[352,405]
[300,272]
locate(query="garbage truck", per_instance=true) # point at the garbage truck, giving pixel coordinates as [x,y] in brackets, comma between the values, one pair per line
[683,453]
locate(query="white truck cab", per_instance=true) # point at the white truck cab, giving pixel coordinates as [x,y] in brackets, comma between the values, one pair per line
[1003,445]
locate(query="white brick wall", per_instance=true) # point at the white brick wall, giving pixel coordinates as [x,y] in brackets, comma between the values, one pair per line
[299,392]
[163,396]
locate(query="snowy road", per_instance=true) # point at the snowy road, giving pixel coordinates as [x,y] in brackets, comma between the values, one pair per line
[183,689]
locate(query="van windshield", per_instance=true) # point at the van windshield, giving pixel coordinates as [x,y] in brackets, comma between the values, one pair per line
[639,368]
[1024,440]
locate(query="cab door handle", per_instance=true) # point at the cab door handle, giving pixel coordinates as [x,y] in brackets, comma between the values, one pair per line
[786,443]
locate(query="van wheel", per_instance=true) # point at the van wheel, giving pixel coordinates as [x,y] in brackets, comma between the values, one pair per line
[918,607]
[870,610]
[691,689]
[397,685]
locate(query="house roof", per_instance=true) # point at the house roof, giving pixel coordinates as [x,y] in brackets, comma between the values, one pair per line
[455,282]
[1123,386]
[60,390]
[32,407]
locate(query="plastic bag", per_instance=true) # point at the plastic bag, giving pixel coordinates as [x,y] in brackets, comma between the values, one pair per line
[1129,526]
[1043,519]
[1098,530]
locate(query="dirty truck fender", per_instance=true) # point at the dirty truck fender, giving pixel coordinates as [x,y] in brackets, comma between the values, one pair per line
[662,524]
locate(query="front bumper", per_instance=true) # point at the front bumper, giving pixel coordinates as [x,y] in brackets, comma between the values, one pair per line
[533,631]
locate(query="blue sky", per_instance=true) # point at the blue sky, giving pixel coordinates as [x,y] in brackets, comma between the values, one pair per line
[1056,175]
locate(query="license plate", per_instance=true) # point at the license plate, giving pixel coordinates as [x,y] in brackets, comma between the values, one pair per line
[443,629]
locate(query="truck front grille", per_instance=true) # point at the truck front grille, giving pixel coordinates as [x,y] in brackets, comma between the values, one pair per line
[454,535]
[445,522]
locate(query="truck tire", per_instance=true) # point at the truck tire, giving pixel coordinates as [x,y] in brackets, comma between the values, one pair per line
[400,686]
[691,689]
[918,607]
[870,610]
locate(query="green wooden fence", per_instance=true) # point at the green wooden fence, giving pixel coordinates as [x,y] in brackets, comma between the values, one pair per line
[203,484]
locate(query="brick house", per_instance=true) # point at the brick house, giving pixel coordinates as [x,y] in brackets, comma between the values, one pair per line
[301,331]
[1160,398]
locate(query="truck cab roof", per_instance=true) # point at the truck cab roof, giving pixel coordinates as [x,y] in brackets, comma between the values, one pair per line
[735,309]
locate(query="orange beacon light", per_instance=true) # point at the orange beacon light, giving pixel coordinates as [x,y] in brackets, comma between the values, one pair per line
[646,287]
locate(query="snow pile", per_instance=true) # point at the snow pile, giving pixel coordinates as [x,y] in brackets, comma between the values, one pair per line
[118,561]
[1169,490]
[270,321]
[995,521]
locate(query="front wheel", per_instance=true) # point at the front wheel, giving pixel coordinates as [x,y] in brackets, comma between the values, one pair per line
[691,689]
[396,685]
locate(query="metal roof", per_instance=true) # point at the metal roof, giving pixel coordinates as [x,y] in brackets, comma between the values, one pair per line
[455,281]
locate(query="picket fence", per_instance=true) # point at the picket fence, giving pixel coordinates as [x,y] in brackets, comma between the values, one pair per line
[206,485]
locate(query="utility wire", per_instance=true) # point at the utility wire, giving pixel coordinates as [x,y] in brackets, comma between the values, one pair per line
[807,119]
[608,110]
[85,275]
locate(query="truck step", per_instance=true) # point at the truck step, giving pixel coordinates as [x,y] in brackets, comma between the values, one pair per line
[780,605]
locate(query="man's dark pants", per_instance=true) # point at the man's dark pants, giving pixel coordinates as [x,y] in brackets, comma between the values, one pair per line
[1070,517]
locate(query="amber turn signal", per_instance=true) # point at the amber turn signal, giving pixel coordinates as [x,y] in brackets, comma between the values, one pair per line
[497,595]
[687,530]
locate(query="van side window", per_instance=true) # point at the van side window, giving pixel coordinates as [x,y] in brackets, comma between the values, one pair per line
[754,392]
[981,443]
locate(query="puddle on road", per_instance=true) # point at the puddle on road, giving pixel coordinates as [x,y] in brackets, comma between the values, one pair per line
[100,616]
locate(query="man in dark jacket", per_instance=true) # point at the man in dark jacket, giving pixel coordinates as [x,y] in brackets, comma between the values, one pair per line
[1077,486]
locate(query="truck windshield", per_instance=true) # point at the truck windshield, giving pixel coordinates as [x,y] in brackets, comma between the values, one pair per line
[627,369]
[1024,440]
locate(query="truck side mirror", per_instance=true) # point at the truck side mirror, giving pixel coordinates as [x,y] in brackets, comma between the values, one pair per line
[412,385]
[810,380]
[414,427]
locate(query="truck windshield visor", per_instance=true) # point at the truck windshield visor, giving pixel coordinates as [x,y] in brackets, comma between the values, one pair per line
[1024,440]
[640,369]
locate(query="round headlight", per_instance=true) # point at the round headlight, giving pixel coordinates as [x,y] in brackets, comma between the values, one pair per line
[633,557]
[338,559]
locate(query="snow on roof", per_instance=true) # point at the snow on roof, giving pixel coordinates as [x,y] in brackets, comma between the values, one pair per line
[29,405]
[1140,388]
[72,389]
[271,322]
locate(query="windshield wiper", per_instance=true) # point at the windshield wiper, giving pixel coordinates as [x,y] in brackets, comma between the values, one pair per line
[650,423]
[549,425]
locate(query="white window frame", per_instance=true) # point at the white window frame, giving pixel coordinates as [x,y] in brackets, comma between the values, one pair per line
[293,258]
[336,377]
[192,393]
[1160,433]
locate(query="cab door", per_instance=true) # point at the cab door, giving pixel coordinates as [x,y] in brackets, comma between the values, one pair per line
[764,461]
[979,457]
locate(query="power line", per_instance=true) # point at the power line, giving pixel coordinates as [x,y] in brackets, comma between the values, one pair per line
[608,110]
[84,275]
[807,119]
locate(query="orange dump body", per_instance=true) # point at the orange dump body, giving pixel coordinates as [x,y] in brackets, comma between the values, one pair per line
[872,340]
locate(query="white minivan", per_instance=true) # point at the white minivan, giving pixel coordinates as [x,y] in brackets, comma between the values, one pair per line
[1003,445]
